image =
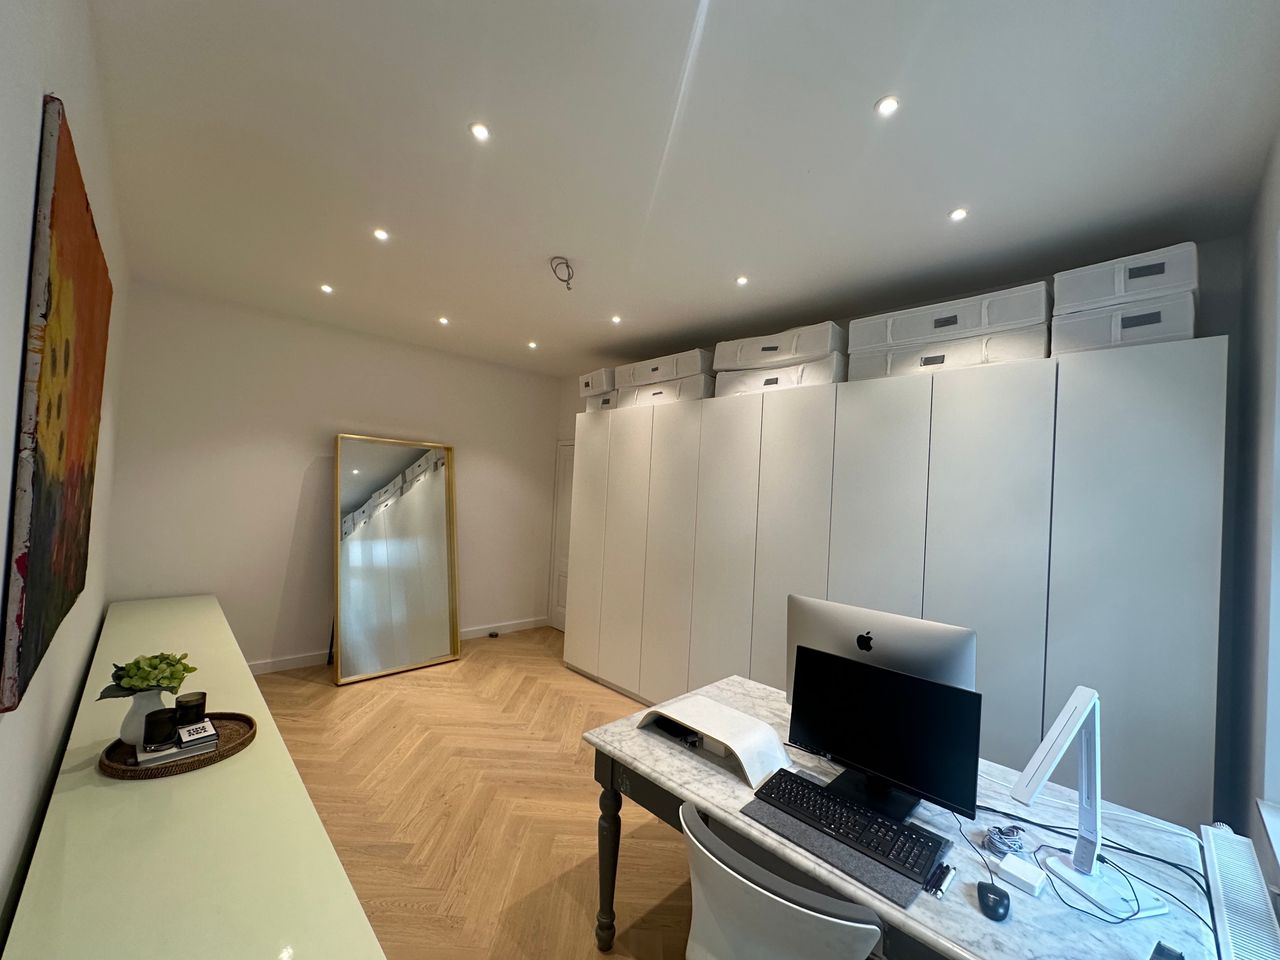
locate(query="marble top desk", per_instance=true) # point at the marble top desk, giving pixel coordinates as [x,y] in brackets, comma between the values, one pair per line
[654,772]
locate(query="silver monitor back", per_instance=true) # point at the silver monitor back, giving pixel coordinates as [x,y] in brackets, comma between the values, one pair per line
[934,651]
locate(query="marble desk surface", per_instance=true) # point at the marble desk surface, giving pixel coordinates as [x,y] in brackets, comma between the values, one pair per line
[1040,928]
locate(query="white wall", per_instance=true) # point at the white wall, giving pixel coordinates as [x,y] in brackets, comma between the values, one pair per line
[45,47]
[225,466]
[570,406]
[1257,670]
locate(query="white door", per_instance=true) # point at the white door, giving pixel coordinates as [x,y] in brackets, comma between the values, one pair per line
[724,552]
[586,542]
[559,598]
[879,493]
[793,529]
[626,518]
[1135,565]
[987,552]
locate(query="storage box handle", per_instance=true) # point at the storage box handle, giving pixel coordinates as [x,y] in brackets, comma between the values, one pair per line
[771,382]
[656,393]
[1139,320]
[653,369]
[1146,270]
[933,361]
[949,321]
[772,349]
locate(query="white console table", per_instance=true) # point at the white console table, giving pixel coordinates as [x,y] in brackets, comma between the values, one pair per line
[227,861]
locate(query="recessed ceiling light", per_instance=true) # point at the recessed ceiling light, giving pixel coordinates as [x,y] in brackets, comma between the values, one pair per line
[887,106]
[533,345]
[480,132]
[355,471]
[325,288]
[958,214]
[381,234]
[444,321]
[617,319]
[742,281]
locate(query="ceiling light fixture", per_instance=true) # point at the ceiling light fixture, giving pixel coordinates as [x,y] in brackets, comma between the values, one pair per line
[958,214]
[617,319]
[480,132]
[381,234]
[887,106]
[444,321]
[355,471]
[533,345]
[742,281]
[325,288]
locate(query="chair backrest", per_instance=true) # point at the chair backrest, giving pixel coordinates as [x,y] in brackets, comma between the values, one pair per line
[745,911]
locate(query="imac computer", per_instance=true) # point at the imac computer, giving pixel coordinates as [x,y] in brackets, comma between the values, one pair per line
[934,651]
[902,738]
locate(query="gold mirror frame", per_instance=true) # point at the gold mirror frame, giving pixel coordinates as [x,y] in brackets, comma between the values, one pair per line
[451,523]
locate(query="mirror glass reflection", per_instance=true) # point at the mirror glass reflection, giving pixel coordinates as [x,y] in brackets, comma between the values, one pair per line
[395,557]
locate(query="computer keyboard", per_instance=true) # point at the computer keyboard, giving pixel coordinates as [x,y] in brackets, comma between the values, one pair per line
[906,848]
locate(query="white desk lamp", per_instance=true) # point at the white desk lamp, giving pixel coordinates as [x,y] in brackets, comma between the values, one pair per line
[1079,871]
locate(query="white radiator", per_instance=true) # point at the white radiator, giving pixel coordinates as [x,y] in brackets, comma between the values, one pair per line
[1247,928]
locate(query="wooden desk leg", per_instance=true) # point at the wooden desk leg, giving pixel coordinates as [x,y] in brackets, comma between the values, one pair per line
[610,835]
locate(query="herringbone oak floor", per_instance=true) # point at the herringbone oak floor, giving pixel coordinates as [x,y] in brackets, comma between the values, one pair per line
[461,801]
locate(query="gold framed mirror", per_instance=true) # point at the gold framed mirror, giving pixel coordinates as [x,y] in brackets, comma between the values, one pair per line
[395,556]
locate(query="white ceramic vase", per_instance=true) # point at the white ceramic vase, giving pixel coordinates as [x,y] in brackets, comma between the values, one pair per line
[134,725]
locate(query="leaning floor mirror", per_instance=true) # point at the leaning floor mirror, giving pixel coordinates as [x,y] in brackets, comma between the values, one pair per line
[395,557]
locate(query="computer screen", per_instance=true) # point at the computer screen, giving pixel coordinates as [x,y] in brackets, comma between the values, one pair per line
[916,735]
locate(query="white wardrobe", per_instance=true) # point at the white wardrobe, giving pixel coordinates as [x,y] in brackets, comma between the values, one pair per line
[1069,510]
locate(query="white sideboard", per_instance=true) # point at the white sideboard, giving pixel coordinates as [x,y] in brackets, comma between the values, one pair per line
[1069,510]
[227,861]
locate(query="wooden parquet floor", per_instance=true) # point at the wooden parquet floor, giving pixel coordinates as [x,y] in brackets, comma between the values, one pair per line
[460,799]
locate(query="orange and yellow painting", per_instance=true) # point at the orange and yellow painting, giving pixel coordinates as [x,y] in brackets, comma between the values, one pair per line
[66,349]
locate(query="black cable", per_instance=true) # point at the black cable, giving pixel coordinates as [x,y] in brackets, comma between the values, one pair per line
[985,862]
[1112,918]
[1171,896]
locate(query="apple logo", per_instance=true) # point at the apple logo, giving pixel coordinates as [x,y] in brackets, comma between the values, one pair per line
[864,642]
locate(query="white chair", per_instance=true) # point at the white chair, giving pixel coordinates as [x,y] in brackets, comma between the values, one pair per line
[745,910]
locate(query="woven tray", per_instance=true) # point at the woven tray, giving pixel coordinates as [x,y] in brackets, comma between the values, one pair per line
[235,732]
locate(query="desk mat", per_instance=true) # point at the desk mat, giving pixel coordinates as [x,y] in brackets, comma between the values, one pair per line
[888,883]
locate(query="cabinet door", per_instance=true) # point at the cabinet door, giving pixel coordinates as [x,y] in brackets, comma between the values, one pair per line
[879,489]
[626,517]
[987,554]
[586,541]
[793,527]
[724,555]
[668,567]
[1135,564]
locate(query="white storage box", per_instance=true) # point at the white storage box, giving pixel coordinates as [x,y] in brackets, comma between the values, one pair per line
[606,402]
[1029,343]
[698,387]
[677,366]
[595,383]
[830,369]
[348,524]
[1144,321]
[392,489]
[1158,273]
[362,515]
[417,468]
[1003,310]
[798,345]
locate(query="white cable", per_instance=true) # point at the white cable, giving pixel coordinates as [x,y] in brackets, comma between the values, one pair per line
[1139,818]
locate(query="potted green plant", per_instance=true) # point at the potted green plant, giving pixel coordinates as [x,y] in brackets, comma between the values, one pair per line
[145,680]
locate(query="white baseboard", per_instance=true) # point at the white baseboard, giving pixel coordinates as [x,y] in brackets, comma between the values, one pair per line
[471,633]
[288,663]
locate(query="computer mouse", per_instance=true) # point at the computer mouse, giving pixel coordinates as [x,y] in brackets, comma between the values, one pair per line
[993,901]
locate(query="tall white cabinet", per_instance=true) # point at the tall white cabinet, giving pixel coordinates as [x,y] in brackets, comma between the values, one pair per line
[626,516]
[879,491]
[793,517]
[987,551]
[724,552]
[668,568]
[1068,510]
[586,542]
[1135,564]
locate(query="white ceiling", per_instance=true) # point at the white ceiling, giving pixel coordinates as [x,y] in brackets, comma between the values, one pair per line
[665,147]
